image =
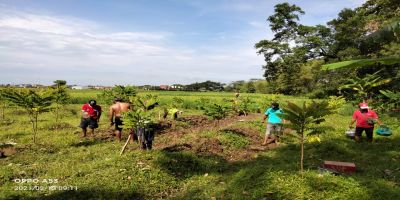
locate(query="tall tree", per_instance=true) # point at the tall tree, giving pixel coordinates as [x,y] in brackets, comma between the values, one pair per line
[293,45]
[284,24]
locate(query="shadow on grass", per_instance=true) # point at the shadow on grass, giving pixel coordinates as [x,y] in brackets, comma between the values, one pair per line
[275,175]
[184,164]
[87,142]
[16,135]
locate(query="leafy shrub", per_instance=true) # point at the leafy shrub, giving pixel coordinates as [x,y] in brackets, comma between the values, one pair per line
[216,111]
[202,102]
[335,103]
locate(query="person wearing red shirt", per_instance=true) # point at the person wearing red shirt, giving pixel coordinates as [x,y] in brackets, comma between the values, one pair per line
[91,113]
[365,118]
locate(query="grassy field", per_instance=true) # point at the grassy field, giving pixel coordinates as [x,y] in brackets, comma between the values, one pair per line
[195,159]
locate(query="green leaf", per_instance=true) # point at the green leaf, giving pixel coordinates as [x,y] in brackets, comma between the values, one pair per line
[361,63]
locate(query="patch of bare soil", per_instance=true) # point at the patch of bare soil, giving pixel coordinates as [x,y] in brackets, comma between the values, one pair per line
[195,120]
[208,146]
[8,151]
[212,146]
[60,126]
[104,135]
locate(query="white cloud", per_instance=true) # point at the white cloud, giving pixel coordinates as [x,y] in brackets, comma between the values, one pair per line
[41,48]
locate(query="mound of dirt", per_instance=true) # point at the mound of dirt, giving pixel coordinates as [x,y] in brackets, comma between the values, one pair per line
[161,126]
[212,146]
[208,146]
[252,134]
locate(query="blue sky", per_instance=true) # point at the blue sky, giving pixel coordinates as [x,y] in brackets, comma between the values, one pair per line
[140,41]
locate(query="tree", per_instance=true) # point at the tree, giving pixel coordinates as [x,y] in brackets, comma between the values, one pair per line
[60,96]
[306,120]
[33,102]
[3,102]
[251,88]
[284,21]
[216,111]
[119,91]
[293,46]
[205,86]
[145,103]
[136,120]
[261,86]
[348,29]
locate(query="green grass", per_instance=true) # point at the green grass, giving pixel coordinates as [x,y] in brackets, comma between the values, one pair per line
[96,169]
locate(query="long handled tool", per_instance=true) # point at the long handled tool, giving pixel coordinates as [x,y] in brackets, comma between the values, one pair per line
[126,144]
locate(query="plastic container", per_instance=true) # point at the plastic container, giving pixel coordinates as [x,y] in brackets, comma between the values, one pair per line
[383,131]
[350,133]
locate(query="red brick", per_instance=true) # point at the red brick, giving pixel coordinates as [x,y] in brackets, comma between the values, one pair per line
[343,167]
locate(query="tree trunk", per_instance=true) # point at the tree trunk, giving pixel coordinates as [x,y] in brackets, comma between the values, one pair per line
[57,115]
[3,110]
[57,109]
[302,152]
[35,127]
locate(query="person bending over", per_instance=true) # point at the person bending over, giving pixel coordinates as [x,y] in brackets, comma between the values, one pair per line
[91,113]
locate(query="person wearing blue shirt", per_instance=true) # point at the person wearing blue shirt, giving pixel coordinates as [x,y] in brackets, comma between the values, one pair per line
[274,122]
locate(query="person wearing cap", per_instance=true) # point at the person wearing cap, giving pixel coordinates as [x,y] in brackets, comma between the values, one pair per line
[115,114]
[365,119]
[91,113]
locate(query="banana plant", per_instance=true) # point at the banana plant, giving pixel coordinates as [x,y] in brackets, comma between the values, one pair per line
[363,87]
[394,99]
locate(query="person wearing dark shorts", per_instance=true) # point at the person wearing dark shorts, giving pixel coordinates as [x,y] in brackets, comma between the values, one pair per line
[89,122]
[91,113]
[118,123]
[366,119]
[115,114]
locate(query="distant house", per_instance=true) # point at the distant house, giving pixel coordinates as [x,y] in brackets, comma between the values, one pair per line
[99,87]
[78,87]
[165,87]
[177,87]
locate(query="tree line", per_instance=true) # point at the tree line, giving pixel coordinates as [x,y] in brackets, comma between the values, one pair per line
[367,37]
